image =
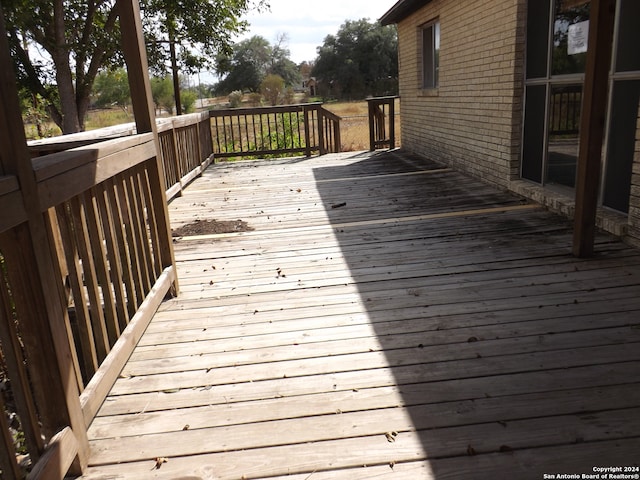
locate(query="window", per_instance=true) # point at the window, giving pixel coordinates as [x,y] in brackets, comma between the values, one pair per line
[430,54]
[557,33]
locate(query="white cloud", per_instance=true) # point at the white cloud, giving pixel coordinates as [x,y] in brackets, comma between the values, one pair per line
[307,24]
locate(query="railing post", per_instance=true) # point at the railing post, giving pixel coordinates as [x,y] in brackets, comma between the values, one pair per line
[144,112]
[307,131]
[52,359]
[392,124]
[323,148]
[372,133]
[338,140]
[378,116]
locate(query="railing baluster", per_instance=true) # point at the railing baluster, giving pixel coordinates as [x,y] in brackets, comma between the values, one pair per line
[139,234]
[16,368]
[96,238]
[116,273]
[118,212]
[89,356]
[381,111]
[130,243]
[151,223]
[96,314]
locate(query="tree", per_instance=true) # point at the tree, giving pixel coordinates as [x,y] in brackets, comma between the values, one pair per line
[272,88]
[189,98]
[252,60]
[245,67]
[81,38]
[281,64]
[360,60]
[162,93]
[112,88]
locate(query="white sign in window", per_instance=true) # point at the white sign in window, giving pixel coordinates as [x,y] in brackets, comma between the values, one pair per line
[578,38]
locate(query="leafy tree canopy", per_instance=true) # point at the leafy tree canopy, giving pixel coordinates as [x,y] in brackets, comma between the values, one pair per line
[272,88]
[112,88]
[251,60]
[360,60]
[78,39]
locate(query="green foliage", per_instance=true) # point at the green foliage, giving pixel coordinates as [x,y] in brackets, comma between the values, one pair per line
[112,88]
[360,60]
[272,89]
[107,118]
[245,68]
[288,97]
[255,99]
[251,61]
[188,99]
[235,98]
[162,93]
[35,116]
[283,134]
[80,39]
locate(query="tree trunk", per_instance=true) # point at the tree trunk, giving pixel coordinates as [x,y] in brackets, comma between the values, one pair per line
[64,78]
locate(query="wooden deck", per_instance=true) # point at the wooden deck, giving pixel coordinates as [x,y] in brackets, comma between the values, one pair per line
[386,318]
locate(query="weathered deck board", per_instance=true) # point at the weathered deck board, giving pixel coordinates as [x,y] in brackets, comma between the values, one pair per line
[429,305]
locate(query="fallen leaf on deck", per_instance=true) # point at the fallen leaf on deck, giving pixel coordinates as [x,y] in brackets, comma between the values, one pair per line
[391,436]
[159,461]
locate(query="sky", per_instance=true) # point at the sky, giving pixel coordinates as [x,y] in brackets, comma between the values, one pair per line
[308,23]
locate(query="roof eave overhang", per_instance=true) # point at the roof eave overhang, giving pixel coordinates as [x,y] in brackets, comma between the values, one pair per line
[402,10]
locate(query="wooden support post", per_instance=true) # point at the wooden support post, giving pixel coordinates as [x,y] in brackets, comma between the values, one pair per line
[48,329]
[143,108]
[392,124]
[372,132]
[323,149]
[307,132]
[594,109]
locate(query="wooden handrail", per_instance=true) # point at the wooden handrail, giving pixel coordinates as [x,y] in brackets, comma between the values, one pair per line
[280,130]
[96,206]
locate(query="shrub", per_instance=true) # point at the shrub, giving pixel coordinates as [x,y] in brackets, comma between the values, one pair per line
[235,98]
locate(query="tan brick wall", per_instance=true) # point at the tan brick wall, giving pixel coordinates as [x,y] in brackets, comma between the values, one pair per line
[473,121]
[634,200]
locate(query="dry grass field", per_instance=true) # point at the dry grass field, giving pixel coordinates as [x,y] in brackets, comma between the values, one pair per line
[354,127]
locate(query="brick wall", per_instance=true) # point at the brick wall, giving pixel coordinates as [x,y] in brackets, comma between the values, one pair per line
[472,122]
[634,201]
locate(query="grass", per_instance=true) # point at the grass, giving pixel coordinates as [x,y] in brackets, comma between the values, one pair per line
[107,118]
[354,127]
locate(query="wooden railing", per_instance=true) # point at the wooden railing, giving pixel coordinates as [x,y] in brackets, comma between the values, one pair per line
[564,115]
[86,257]
[186,147]
[85,260]
[263,131]
[382,129]
[105,243]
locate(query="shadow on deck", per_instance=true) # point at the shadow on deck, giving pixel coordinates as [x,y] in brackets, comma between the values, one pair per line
[386,318]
